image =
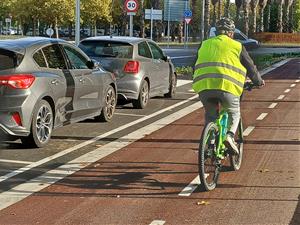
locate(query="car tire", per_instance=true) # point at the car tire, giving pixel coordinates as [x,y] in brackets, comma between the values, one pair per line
[172,86]
[41,126]
[143,98]
[109,107]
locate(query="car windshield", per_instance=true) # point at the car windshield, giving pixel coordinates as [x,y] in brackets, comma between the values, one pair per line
[9,59]
[107,49]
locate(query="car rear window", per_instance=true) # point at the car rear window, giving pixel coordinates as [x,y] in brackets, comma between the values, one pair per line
[107,49]
[9,59]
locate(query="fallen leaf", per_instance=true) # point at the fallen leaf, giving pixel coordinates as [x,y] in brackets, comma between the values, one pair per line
[203,203]
[118,196]
[264,170]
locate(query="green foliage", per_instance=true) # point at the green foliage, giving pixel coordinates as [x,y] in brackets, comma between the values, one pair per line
[296,19]
[184,70]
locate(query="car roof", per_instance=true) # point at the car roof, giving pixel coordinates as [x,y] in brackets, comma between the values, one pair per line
[125,39]
[19,45]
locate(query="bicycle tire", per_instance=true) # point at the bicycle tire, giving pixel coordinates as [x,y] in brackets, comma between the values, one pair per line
[236,160]
[207,158]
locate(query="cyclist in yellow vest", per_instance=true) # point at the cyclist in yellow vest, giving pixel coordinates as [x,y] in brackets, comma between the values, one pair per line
[220,72]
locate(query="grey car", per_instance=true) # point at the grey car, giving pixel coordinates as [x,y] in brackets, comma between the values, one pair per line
[47,83]
[140,66]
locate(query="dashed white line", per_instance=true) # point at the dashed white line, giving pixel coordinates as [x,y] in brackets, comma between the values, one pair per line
[293,85]
[262,116]
[188,190]
[287,90]
[273,105]
[281,97]
[248,130]
[157,222]
[297,81]
[14,161]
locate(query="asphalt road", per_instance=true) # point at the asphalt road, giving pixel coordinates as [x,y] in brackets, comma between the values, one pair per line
[142,167]
[187,56]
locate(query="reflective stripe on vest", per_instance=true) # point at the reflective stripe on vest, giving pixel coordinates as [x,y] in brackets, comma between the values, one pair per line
[218,66]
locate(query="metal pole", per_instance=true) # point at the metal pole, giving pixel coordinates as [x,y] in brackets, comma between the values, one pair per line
[168,23]
[151,26]
[202,21]
[131,26]
[77,26]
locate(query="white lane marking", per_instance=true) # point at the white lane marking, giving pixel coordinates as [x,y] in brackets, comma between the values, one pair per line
[81,145]
[274,66]
[281,97]
[128,114]
[248,130]
[297,81]
[157,222]
[287,90]
[14,161]
[293,85]
[183,82]
[188,190]
[262,116]
[23,190]
[273,105]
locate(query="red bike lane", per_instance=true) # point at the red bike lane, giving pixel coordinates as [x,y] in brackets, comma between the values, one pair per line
[141,183]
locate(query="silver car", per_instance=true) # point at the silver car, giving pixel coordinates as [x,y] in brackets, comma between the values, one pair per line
[140,66]
[47,83]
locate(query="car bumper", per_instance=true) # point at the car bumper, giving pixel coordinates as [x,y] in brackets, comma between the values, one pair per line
[129,86]
[21,103]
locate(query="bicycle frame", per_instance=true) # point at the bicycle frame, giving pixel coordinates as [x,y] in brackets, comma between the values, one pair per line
[221,122]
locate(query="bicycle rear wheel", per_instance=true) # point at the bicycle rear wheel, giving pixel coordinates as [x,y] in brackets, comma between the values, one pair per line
[236,160]
[207,161]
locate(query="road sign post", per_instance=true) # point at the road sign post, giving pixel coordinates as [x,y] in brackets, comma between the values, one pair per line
[131,7]
[187,18]
[152,14]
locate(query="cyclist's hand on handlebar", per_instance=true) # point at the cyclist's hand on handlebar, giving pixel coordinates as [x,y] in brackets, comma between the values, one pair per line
[262,84]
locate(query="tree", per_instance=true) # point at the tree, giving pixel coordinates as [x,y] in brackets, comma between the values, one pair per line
[262,5]
[214,3]
[253,5]
[226,10]
[246,4]
[280,13]
[238,4]
[206,18]
[286,21]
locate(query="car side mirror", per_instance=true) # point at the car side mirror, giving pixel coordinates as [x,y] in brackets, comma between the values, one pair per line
[90,64]
[166,58]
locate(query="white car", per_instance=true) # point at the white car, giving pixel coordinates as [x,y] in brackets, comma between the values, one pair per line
[239,36]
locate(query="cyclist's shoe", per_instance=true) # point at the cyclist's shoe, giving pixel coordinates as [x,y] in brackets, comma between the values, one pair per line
[231,144]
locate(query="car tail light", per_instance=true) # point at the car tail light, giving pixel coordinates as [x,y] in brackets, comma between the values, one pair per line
[18,81]
[16,117]
[132,67]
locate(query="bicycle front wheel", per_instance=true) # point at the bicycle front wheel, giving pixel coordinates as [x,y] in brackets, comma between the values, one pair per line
[207,161]
[236,160]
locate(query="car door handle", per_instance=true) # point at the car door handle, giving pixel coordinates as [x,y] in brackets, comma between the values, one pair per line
[55,81]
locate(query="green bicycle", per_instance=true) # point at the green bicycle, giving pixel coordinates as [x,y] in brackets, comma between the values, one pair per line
[213,152]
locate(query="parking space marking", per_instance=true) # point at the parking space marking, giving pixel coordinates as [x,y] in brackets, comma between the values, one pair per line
[273,105]
[248,130]
[188,190]
[157,222]
[14,161]
[287,90]
[23,190]
[280,97]
[293,85]
[81,145]
[262,116]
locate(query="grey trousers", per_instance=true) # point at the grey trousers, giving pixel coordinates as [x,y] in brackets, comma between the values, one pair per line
[229,102]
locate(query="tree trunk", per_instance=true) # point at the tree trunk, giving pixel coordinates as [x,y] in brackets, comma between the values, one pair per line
[291,16]
[253,8]
[214,16]
[33,26]
[262,5]
[206,19]
[280,9]
[266,27]
[246,16]
[219,9]
[142,20]
[288,4]
[226,10]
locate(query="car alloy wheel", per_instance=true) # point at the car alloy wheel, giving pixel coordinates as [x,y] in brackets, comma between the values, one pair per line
[143,98]
[44,122]
[109,105]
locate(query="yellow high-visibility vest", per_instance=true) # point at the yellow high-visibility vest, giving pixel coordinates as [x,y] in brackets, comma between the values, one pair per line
[218,66]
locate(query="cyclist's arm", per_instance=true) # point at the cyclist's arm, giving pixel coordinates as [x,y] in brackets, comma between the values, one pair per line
[252,71]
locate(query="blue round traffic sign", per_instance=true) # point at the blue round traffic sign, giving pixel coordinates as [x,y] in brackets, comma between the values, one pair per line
[188,13]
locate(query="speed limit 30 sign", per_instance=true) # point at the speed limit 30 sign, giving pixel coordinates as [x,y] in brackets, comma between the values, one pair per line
[131,5]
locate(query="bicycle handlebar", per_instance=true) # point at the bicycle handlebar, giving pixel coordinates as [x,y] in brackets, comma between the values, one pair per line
[249,86]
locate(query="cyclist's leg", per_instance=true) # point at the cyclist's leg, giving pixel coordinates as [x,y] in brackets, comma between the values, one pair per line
[210,107]
[232,104]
